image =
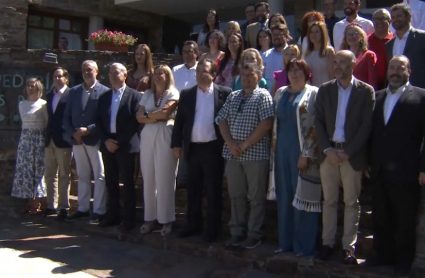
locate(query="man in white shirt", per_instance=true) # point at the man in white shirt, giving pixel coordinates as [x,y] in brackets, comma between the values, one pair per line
[185,77]
[58,151]
[196,139]
[397,168]
[351,9]
[418,13]
[273,58]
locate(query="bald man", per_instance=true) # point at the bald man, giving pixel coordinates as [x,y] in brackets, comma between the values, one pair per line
[343,122]
[397,165]
[117,127]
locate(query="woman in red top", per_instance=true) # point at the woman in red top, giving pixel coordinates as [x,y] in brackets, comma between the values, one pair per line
[355,39]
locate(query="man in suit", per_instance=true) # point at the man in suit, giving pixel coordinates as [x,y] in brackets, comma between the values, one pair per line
[409,42]
[397,161]
[262,12]
[117,127]
[343,122]
[58,151]
[250,18]
[80,131]
[197,134]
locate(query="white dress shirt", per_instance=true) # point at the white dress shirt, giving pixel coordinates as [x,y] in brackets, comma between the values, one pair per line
[203,126]
[339,29]
[418,13]
[400,44]
[115,103]
[391,101]
[343,98]
[272,61]
[86,94]
[57,96]
[184,77]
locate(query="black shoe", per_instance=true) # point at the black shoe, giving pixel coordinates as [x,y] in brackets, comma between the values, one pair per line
[402,269]
[324,253]
[49,211]
[77,215]
[188,233]
[349,258]
[251,243]
[109,222]
[63,213]
[96,218]
[235,241]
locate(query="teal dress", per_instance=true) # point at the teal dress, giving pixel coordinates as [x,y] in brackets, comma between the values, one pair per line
[237,84]
[297,228]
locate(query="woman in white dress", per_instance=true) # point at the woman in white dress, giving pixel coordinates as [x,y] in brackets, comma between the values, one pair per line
[157,161]
[28,180]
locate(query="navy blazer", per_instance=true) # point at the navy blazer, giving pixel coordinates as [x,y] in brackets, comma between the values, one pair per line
[54,129]
[76,116]
[126,122]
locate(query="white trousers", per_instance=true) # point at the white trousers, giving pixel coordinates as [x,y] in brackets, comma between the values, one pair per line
[88,159]
[159,169]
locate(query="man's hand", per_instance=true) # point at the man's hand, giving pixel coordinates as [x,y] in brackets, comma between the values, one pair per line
[177,152]
[111,145]
[234,148]
[333,157]
[422,178]
[342,155]
[302,163]
[84,131]
[243,146]
[366,173]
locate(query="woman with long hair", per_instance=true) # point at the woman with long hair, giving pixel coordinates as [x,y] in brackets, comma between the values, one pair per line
[355,40]
[158,164]
[228,68]
[28,180]
[308,19]
[249,56]
[295,169]
[232,27]
[281,76]
[212,23]
[275,19]
[216,42]
[319,55]
[264,40]
[139,77]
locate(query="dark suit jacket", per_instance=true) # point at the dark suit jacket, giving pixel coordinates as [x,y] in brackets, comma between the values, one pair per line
[251,34]
[415,51]
[126,122]
[54,129]
[395,148]
[75,116]
[358,121]
[182,131]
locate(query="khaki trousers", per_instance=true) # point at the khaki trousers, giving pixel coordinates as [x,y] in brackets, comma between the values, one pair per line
[332,175]
[57,192]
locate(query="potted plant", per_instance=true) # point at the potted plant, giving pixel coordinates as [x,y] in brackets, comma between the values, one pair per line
[105,40]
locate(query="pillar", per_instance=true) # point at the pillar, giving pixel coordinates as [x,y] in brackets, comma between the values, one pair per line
[95,24]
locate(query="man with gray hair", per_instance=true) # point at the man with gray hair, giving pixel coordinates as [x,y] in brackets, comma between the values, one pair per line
[117,128]
[245,122]
[81,133]
[343,122]
[381,21]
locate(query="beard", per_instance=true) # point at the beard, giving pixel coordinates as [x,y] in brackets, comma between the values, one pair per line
[262,18]
[398,82]
[349,12]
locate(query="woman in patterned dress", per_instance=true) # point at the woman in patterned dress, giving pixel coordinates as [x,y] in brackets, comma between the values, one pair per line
[228,68]
[28,182]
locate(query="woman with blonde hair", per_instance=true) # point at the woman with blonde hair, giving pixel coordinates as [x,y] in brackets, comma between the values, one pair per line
[28,180]
[232,27]
[157,161]
[355,40]
[139,77]
[319,55]
[280,76]
[250,55]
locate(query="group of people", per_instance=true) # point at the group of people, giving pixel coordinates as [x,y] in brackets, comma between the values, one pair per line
[286,123]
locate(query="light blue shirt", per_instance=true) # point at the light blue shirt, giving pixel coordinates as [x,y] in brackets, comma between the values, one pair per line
[392,99]
[273,61]
[343,97]
[115,104]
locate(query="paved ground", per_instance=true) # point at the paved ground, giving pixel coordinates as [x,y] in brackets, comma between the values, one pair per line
[31,249]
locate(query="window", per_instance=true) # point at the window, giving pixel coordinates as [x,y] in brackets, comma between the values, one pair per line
[45,30]
[140,33]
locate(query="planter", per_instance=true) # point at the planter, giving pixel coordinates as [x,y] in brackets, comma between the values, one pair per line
[106,46]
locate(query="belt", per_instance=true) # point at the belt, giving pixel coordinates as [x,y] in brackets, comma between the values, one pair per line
[203,143]
[338,145]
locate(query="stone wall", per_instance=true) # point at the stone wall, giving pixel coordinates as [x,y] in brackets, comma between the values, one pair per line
[16,65]
[13,20]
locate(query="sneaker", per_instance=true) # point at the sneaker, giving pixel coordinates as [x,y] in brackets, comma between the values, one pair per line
[49,211]
[62,214]
[96,218]
[77,215]
[235,241]
[251,243]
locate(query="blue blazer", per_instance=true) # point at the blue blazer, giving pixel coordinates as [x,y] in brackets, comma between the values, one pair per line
[75,116]
[54,130]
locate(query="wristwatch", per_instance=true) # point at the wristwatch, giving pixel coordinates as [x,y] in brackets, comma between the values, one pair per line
[146,114]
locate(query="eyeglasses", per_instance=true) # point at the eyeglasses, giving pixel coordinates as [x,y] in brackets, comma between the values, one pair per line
[352,35]
[295,70]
